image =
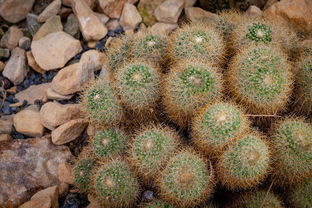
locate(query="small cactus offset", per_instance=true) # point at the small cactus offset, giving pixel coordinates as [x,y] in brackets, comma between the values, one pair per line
[189,85]
[299,196]
[187,180]
[216,125]
[114,184]
[292,143]
[82,171]
[245,163]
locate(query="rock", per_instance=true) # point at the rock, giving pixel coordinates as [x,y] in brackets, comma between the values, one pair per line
[113,24]
[169,11]
[91,44]
[68,131]
[15,69]
[63,189]
[93,58]
[65,173]
[24,43]
[296,12]
[5,137]
[2,65]
[102,17]
[196,13]
[28,122]
[189,3]
[4,53]
[52,25]
[33,93]
[37,203]
[54,50]
[105,74]
[32,63]
[6,125]
[269,3]
[91,3]
[14,10]
[130,17]
[72,78]
[52,193]
[254,11]
[146,8]
[51,10]
[112,8]
[10,39]
[27,165]
[165,28]
[71,26]
[54,114]
[32,24]
[51,94]
[90,26]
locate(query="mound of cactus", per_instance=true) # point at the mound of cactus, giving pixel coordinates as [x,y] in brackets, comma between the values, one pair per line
[178,114]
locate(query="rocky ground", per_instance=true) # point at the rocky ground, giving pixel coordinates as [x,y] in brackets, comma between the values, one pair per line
[49,50]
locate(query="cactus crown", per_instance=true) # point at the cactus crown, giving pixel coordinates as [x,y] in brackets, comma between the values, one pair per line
[138,84]
[114,184]
[82,172]
[102,104]
[300,195]
[109,142]
[259,33]
[152,147]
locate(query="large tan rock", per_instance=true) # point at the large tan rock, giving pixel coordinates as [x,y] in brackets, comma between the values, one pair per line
[52,193]
[90,25]
[93,58]
[11,38]
[51,94]
[68,131]
[51,10]
[28,122]
[52,25]
[165,28]
[65,173]
[196,13]
[44,202]
[112,8]
[32,63]
[34,92]
[15,10]
[54,114]
[169,11]
[28,165]
[130,17]
[54,50]
[15,69]
[297,12]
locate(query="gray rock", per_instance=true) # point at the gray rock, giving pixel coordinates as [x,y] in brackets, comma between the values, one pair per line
[32,24]
[15,10]
[24,43]
[72,25]
[4,53]
[27,166]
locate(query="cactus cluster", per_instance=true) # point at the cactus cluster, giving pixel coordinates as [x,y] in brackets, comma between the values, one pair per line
[179,113]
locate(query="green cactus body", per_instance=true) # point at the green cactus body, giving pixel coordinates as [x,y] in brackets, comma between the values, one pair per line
[157,204]
[258,199]
[300,195]
[108,143]
[118,52]
[197,41]
[151,149]
[115,185]
[258,32]
[138,84]
[292,141]
[186,180]
[188,86]
[304,82]
[260,78]
[216,125]
[245,163]
[102,104]
[228,21]
[82,172]
[150,47]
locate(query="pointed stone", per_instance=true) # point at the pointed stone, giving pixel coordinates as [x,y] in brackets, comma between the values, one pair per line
[51,10]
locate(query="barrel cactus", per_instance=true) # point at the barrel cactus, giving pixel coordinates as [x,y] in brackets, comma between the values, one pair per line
[186,180]
[300,195]
[292,142]
[83,170]
[216,125]
[245,163]
[189,85]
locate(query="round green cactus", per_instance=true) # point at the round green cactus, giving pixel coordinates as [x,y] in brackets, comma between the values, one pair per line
[102,104]
[151,149]
[292,141]
[82,172]
[157,204]
[150,47]
[228,21]
[245,163]
[115,185]
[189,85]
[304,85]
[216,125]
[186,180]
[108,143]
[258,32]
[260,78]
[138,84]
[300,195]
[257,199]
[197,40]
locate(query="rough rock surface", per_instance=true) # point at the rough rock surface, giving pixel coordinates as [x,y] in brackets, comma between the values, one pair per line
[165,28]
[52,25]
[50,11]
[130,17]
[32,63]
[146,8]
[196,13]
[54,50]
[27,166]
[14,11]
[112,8]
[169,11]
[51,94]
[34,92]
[11,38]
